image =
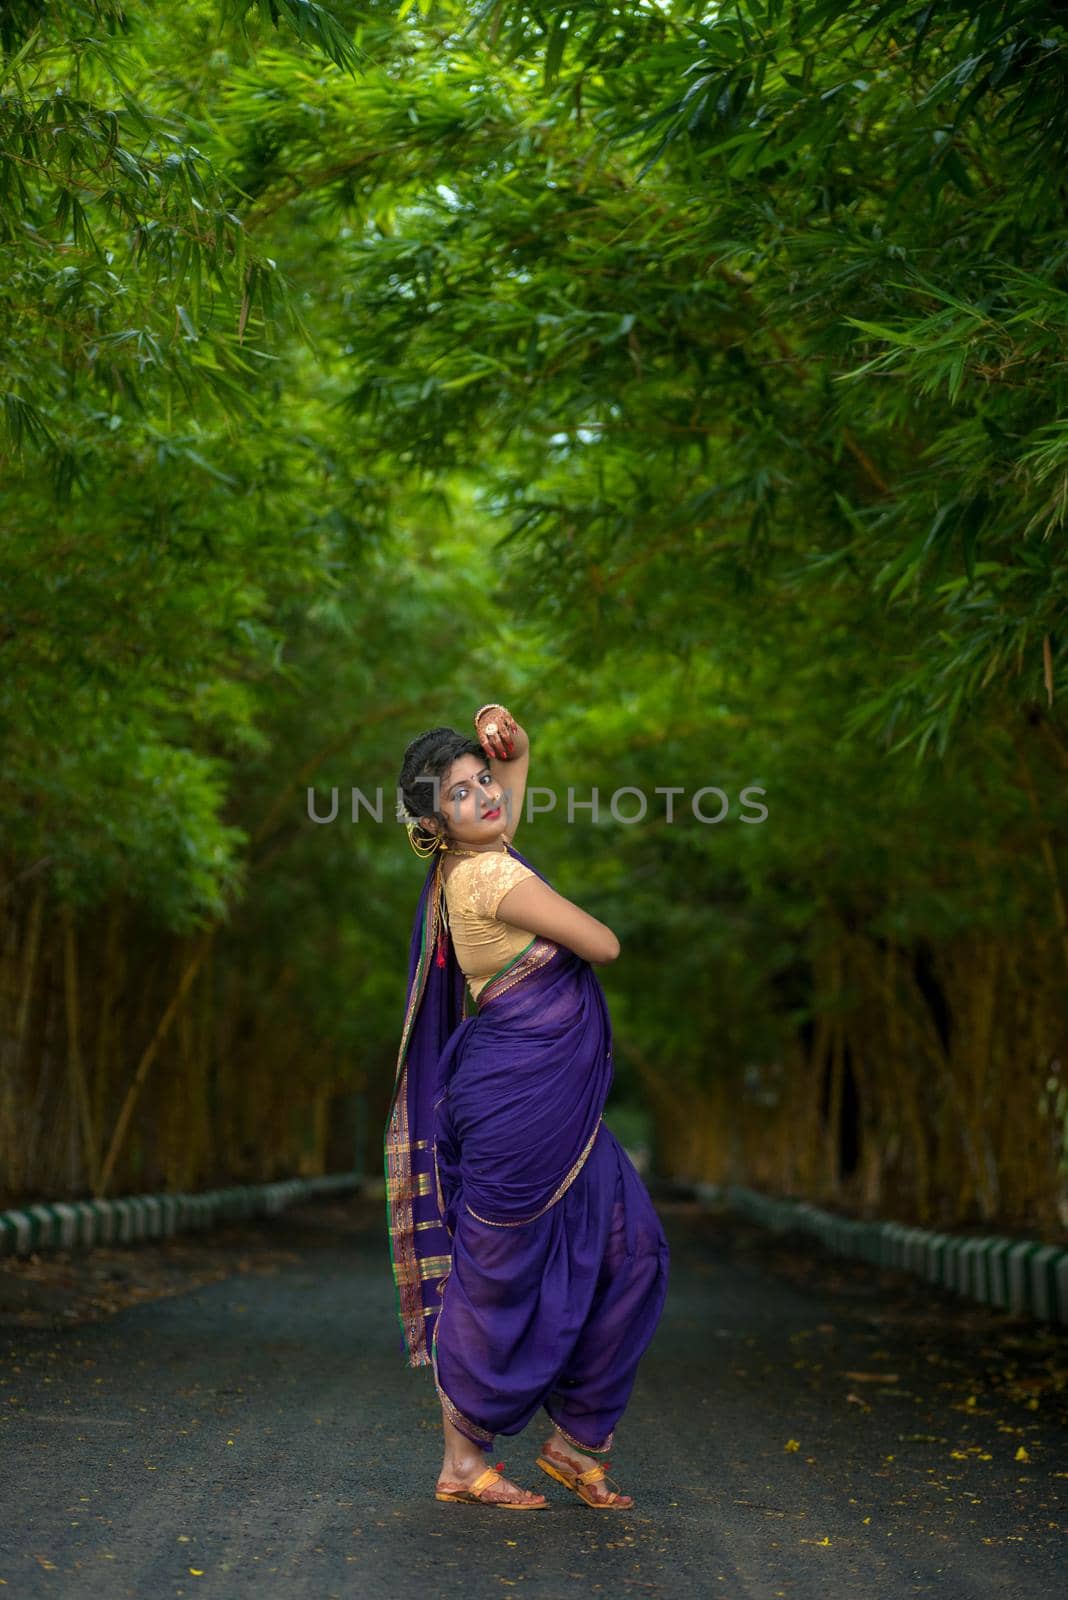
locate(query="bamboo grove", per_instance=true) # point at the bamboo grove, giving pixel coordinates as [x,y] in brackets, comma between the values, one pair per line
[690,377]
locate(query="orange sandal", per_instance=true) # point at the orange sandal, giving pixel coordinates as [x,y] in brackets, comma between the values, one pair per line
[473,1494]
[576,1481]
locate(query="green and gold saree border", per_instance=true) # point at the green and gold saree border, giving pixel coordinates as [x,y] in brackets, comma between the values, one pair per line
[530,959]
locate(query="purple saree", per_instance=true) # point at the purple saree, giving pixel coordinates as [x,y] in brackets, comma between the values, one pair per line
[530,1264]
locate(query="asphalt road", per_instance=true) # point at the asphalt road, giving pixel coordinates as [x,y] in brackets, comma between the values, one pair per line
[230,1416]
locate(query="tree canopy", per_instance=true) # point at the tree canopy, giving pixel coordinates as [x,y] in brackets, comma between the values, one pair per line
[689,377]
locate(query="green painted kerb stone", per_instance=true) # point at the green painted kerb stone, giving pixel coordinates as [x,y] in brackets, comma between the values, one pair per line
[64,1224]
[1021,1275]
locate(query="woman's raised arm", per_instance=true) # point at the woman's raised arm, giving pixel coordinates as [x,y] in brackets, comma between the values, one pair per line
[510,771]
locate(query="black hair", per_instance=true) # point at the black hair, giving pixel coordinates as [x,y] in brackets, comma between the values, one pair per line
[430,756]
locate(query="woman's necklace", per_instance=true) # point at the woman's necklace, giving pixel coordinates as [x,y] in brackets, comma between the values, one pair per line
[452,852]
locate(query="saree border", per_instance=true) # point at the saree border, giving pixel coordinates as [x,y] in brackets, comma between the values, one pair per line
[400,1187]
[580,1444]
[531,959]
[455,1415]
[564,1186]
[439,1195]
[508,965]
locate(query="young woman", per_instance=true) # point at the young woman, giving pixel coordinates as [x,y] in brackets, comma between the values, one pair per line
[530,1264]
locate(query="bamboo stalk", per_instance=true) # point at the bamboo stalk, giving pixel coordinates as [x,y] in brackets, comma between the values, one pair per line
[14,1147]
[1045,845]
[907,1095]
[810,1141]
[149,1055]
[864,1054]
[835,1095]
[76,1068]
[111,988]
[35,1120]
[679,1117]
[961,1071]
[985,993]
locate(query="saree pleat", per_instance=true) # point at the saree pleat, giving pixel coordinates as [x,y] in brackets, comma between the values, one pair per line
[557,1314]
[547,1279]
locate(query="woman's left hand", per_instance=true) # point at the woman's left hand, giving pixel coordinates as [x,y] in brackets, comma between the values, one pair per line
[498,733]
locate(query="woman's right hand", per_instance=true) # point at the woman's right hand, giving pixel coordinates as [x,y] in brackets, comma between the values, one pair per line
[500,742]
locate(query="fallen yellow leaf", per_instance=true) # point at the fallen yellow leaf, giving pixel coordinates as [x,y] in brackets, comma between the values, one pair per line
[791,1444]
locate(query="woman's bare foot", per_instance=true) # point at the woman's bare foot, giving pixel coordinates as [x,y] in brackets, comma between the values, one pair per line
[461,1474]
[559,1450]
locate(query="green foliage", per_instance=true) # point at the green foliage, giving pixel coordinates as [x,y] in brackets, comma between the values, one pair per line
[756,298]
[691,374]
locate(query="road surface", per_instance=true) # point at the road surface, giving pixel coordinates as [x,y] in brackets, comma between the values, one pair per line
[229,1415]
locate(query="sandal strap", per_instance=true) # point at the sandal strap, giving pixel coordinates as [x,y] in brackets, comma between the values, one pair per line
[591,1475]
[484,1479]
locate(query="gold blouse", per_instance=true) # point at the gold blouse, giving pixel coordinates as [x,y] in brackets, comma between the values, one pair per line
[473,890]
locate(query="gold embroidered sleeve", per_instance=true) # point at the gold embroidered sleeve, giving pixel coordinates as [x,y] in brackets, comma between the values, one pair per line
[489,881]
